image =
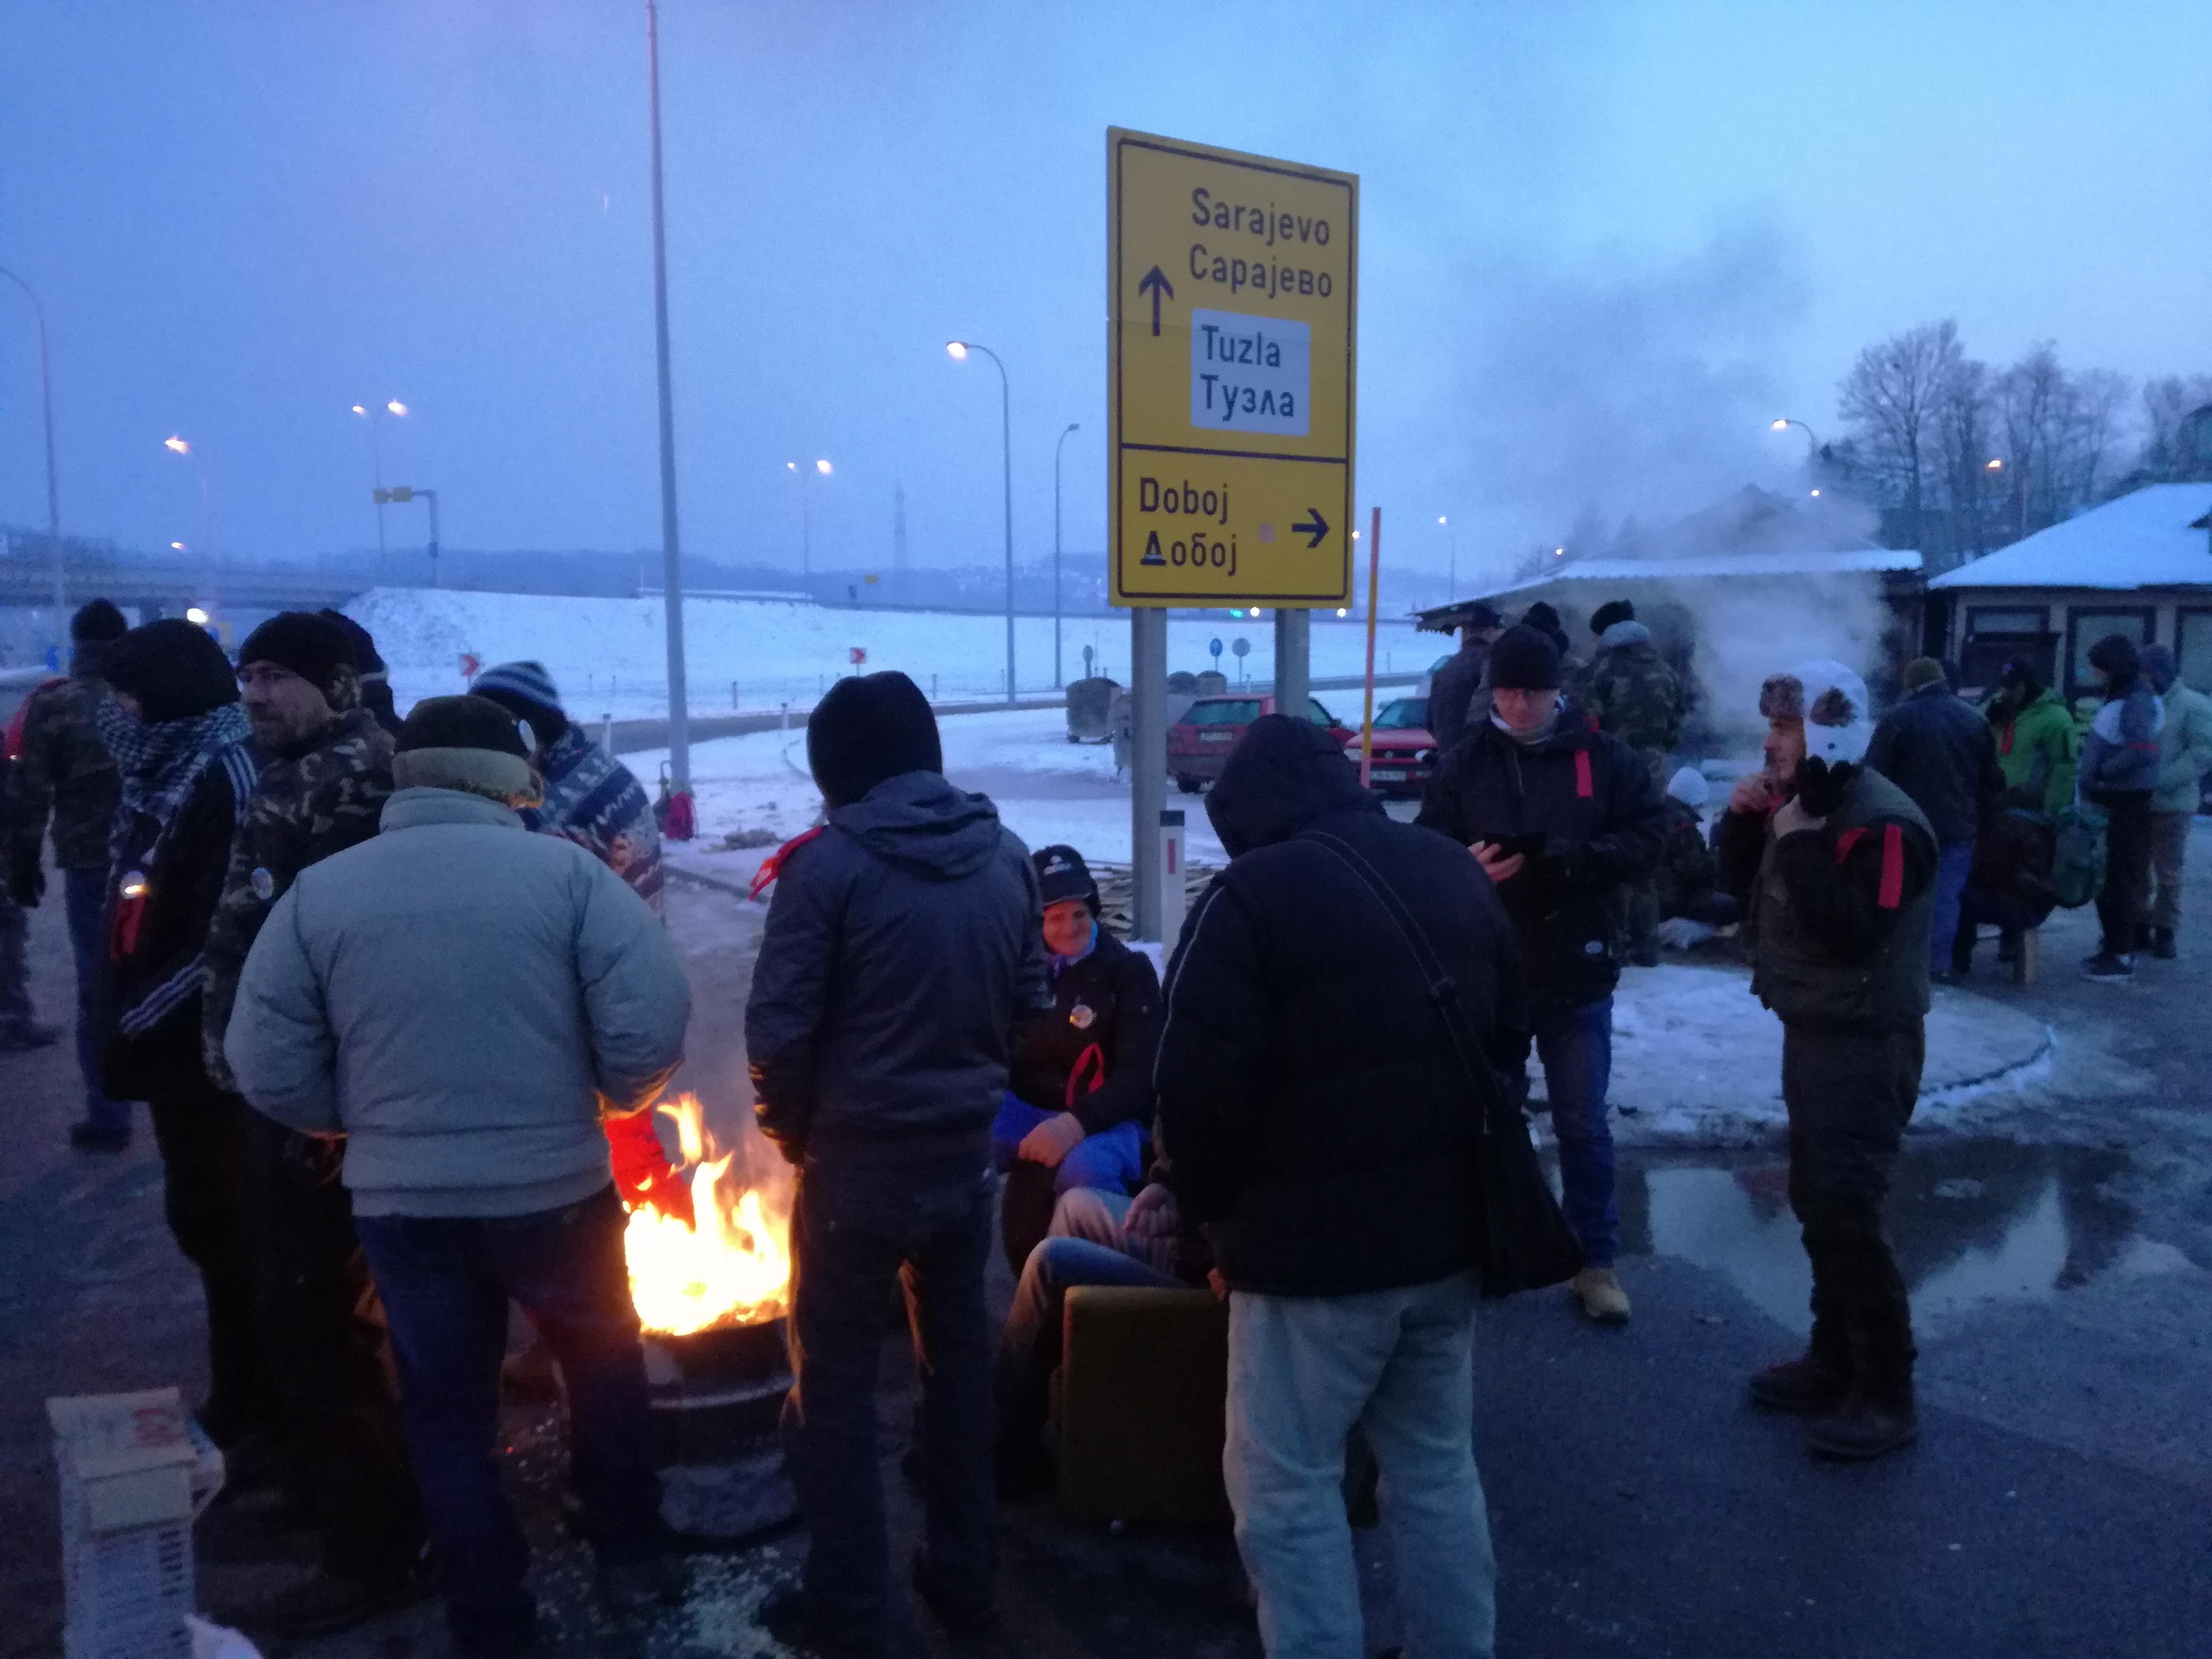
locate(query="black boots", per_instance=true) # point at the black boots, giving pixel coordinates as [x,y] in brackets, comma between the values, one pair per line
[1863,1428]
[1801,1386]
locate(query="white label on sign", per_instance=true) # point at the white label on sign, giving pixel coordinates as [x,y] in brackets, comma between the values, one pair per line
[1250,373]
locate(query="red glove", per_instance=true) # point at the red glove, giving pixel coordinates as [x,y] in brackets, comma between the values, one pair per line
[643,1175]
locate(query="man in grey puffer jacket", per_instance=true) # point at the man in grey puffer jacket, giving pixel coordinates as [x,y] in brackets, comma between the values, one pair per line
[904,946]
[2120,772]
[463,1001]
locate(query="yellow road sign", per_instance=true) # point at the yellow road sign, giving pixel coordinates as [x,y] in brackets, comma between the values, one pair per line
[1232,358]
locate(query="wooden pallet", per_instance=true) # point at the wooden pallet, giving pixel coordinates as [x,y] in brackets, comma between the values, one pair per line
[1117,892]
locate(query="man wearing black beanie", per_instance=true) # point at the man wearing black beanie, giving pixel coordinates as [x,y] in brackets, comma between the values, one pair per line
[181,743]
[1561,816]
[375,678]
[64,771]
[905,946]
[327,771]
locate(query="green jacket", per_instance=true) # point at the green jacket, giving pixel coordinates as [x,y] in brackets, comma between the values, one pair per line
[2038,751]
[2185,750]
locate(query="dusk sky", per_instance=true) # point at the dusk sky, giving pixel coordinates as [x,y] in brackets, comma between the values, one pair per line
[1602,246]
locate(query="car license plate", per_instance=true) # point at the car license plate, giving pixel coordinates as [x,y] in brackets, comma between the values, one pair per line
[1217,737]
[1388,774]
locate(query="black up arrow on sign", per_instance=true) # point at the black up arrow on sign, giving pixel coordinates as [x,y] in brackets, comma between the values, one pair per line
[1155,284]
[1316,527]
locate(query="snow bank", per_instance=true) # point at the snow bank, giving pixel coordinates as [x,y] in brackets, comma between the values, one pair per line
[608,656]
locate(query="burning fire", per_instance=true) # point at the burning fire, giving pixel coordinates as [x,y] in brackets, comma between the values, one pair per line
[734,1270]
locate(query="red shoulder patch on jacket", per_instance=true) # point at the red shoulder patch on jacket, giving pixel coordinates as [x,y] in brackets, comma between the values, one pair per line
[1846,841]
[772,867]
[1584,786]
[1892,893]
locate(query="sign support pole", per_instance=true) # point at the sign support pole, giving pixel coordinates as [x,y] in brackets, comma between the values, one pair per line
[1374,583]
[1148,762]
[1293,669]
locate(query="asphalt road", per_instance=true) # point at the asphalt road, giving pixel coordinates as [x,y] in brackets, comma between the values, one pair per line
[2056,1504]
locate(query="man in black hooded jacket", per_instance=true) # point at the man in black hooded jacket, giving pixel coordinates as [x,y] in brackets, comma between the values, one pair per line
[904,946]
[1296,1003]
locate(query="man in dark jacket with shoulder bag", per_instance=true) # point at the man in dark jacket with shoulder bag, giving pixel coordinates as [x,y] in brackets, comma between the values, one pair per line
[1938,749]
[186,763]
[1835,867]
[1562,817]
[1299,992]
[904,949]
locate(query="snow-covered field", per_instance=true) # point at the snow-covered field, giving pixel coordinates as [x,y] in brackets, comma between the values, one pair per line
[1047,789]
[608,656]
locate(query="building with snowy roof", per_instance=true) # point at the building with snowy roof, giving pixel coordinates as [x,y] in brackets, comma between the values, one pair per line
[2140,565]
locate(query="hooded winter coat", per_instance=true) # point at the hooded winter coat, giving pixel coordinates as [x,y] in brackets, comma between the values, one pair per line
[2037,751]
[1590,796]
[1942,754]
[2121,755]
[1315,1115]
[462,1000]
[2184,752]
[903,950]
[1452,690]
[1630,691]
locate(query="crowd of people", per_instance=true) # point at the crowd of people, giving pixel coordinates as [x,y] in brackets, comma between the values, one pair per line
[399,1001]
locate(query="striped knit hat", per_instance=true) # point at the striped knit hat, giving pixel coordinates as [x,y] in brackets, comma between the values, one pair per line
[526,680]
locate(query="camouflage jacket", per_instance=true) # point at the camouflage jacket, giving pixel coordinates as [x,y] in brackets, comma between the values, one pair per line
[1631,692]
[1687,868]
[66,772]
[317,800]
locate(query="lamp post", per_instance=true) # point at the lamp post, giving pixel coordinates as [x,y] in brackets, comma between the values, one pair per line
[958,350]
[53,494]
[1812,443]
[1072,426]
[1453,592]
[178,447]
[821,470]
[671,556]
[374,414]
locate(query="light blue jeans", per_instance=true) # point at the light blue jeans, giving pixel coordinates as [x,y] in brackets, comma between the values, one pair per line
[1303,1371]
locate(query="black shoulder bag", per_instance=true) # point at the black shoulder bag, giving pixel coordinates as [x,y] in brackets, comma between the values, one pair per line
[1527,1243]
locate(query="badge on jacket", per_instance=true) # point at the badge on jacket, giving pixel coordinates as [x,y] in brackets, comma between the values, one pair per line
[1080,1017]
[263,886]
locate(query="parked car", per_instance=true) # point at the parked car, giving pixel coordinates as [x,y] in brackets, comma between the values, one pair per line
[1405,750]
[1201,741]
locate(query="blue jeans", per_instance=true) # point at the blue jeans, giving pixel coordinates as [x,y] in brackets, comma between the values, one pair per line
[85,898]
[1576,1048]
[1112,1160]
[1952,864]
[1085,1248]
[446,1284]
[1399,1365]
[853,1233]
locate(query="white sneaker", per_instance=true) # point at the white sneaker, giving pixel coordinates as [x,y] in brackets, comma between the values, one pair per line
[1598,1291]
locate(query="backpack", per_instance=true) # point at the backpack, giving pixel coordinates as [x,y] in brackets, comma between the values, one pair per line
[2077,867]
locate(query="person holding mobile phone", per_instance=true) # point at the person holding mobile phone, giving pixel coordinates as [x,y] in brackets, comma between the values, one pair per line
[1561,816]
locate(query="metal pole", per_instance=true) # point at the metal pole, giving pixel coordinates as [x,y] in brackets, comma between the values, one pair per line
[1006,456]
[1293,678]
[376,471]
[432,496]
[53,491]
[679,723]
[1148,762]
[1058,449]
[1374,585]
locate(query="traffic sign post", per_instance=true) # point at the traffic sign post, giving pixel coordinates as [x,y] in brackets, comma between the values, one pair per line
[1232,351]
[1232,309]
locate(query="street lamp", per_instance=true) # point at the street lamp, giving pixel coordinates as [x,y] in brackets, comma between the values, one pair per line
[178,447]
[53,495]
[375,417]
[1452,593]
[821,470]
[958,350]
[1072,428]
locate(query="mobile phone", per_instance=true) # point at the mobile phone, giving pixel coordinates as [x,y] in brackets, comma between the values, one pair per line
[1528,846]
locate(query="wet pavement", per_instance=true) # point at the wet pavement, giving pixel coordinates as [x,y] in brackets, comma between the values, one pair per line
[2055,1505]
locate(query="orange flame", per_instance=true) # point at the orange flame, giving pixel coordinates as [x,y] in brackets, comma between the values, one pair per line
[734,1269]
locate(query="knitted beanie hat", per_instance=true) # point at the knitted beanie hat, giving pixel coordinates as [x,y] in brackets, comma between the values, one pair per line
[1523,659]
[468,744]
[314,647]
[172,670]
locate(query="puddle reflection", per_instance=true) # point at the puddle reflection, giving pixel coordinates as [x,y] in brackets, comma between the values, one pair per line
[1973,1222]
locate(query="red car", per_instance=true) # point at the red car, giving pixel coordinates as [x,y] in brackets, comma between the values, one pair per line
[1404,758]
[1201,741]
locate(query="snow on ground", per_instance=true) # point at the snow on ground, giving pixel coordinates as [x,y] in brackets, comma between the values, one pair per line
[1047,789]
[608,656]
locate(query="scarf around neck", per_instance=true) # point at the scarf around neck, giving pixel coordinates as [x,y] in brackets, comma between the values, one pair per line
[159,764]
[1540,734]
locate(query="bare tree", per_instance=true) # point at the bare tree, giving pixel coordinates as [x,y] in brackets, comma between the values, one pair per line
[2166,403]
[1888,403]
[1965,484]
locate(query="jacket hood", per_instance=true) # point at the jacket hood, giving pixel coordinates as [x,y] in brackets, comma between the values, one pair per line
[1284,774]
[1630,632]
[922,823]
